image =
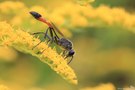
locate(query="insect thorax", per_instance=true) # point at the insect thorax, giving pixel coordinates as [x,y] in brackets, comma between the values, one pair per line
[65,43]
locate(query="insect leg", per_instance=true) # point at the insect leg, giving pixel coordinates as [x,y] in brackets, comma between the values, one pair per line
[51,33]
[55,33]
[71,59]
[36,45]
[52,37]
[46,33]
[37,33]
[47,41]
[40,33]
[49,38]
[56,39]
[64,53]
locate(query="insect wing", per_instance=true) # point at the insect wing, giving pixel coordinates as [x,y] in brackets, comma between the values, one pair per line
[53,25]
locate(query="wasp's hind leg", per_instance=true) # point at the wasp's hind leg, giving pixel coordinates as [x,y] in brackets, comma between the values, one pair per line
[40,41]
[45,34]
[36,33]
[47,41]
[50,41]
[37,44]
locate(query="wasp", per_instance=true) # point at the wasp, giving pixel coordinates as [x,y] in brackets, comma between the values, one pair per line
[53,37]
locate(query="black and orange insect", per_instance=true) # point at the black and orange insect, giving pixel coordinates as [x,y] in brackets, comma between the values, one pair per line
[53,37]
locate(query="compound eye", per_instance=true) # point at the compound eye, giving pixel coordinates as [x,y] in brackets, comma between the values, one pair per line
[71,53]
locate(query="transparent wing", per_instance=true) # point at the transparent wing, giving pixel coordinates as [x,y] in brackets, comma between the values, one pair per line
[57,29]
